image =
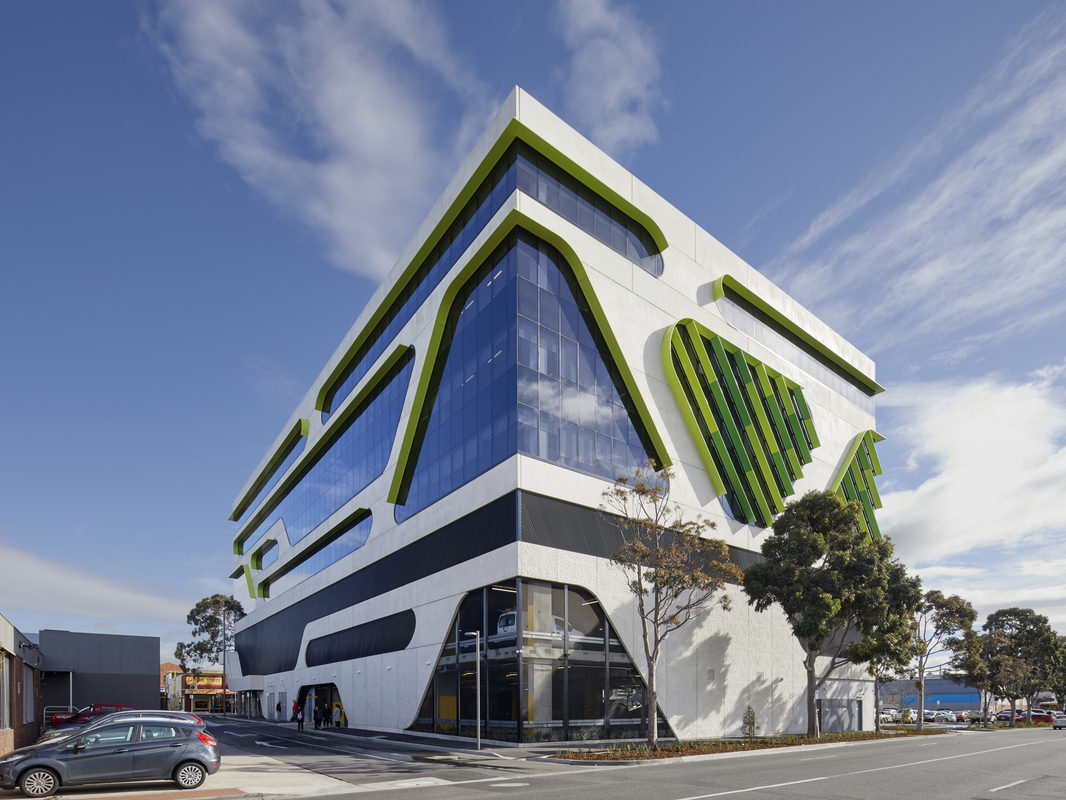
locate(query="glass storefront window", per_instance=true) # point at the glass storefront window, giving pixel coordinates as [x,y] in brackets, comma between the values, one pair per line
[570,678]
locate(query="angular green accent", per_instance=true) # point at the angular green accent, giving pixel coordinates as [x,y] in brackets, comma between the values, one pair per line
[767,391]
[861,460]
[300,428]
[515,219]
[767,484]
[311,548]
[769,431]
[728,281]
[792,416]
[256,561]
[514,130]
[248,577]
[731,430]
[671,342]
[338,419]
[805,416]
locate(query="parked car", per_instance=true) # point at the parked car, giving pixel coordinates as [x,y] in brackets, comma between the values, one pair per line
[928,715]
[74,728]
[1004,716]
[944,716]
[147,749]
[95,708]
[1039,715]
[962,716]
[890,714]
[1060,722]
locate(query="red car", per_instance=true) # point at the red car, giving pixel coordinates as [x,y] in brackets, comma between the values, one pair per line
[1039,715]
[96,709]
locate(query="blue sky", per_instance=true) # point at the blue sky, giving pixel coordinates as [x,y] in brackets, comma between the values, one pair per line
[197,200]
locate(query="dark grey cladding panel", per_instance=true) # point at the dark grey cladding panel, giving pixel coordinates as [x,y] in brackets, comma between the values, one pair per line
[579,529]
[273,645]
[385,635]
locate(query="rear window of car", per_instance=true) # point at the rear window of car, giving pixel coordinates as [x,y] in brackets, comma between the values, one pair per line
[152,733]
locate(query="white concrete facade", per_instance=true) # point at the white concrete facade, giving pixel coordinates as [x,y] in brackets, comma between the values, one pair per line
[713,669]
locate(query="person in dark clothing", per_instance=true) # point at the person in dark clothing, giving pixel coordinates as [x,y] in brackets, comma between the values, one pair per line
[317,715]
[299,719]
[277,718]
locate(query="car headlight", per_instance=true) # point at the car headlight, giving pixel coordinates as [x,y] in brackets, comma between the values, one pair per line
[11,759]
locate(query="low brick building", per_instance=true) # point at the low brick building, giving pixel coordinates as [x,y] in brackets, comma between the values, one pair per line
[20,689]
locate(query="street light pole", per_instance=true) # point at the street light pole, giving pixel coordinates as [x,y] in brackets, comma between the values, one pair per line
[477,680]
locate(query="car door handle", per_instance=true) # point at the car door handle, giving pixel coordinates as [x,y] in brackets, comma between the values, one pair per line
[179,744]
[122,750]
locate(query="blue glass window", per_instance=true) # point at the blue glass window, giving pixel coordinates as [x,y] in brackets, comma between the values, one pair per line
[296,447]
[355,455]
[523,168]
[269,557]
[333,550]
[522,369]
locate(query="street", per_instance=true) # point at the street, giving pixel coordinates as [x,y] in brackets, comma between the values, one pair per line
[998,765]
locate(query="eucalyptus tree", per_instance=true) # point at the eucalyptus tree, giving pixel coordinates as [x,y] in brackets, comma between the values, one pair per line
[839,589]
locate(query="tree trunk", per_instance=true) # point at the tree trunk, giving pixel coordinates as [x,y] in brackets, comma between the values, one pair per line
[877,705]
[812,691]
[653,708]
[1013,713]
[920,724]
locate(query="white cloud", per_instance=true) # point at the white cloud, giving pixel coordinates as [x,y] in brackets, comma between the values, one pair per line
[930,573]
[999,460]
[270,379]
[47,589]
[325,110]
[612,90]
[964,230]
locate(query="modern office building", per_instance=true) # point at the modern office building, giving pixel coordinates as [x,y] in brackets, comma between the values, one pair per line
[553,324]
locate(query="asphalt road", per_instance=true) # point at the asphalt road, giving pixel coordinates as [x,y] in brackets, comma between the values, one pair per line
[1001,765]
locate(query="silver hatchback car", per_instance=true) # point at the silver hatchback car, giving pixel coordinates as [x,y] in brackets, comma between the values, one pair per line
[143,749]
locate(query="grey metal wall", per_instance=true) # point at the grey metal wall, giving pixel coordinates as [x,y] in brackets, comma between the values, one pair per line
[107,668]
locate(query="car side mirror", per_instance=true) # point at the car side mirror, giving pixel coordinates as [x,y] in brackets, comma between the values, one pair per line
[78,747]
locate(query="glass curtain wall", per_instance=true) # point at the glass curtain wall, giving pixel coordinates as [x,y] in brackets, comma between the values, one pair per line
[523,368]
[551,670]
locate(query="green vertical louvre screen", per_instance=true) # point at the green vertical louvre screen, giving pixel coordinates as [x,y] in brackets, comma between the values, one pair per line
[855,479]
[751,425]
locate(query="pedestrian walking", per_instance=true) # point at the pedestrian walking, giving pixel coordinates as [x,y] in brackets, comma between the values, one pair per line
[337,715]
[300,719]
[277,712]
[295,705]
[317,716]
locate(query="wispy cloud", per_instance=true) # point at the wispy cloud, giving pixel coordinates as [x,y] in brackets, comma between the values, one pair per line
[963,229]
[997,455]
[612,90]
[270,379]
[46,588]
[327,111]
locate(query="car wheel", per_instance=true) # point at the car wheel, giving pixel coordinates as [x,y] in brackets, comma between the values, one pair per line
[189,775]
[39,782]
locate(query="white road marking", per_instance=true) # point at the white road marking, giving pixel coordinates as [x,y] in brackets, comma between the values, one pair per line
[507,785]
[268,744]
[866,771]
[1005,787]
[819,758]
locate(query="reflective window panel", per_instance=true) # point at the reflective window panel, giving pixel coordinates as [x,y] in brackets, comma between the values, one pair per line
[355,455]
[330,553]
[524,370]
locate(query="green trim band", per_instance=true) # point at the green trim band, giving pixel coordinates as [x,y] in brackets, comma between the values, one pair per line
[514,130]
[352,403]
[300,428]
[729,282]
[736,407]
[854,479]
[317,544]
[515,219]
